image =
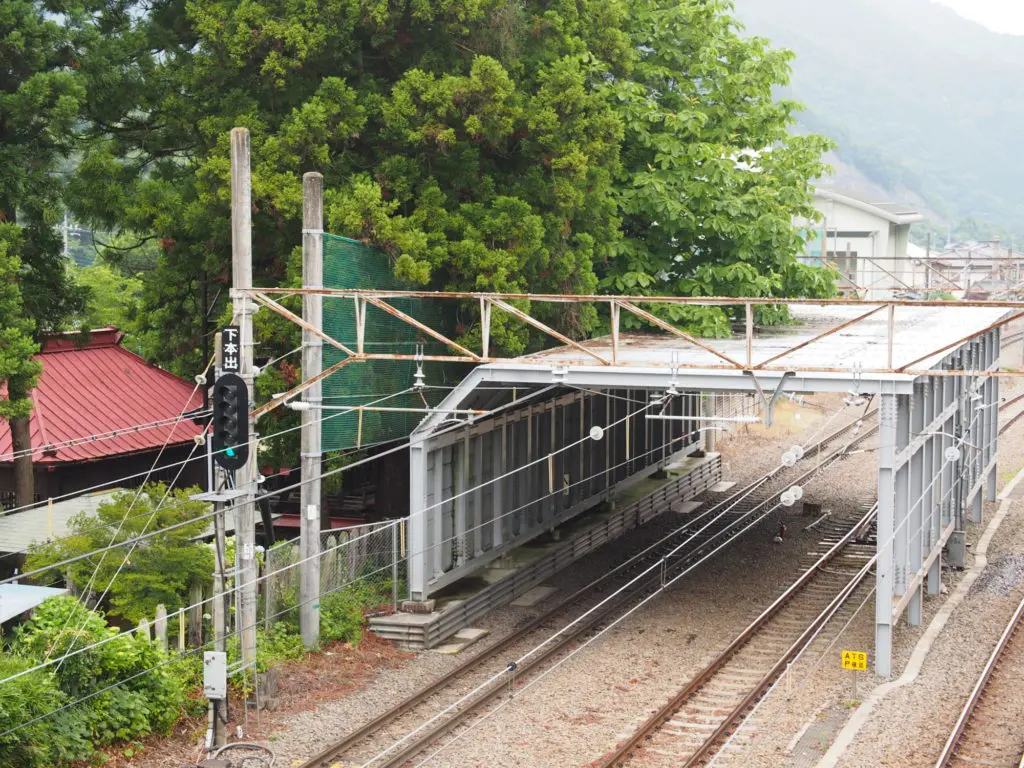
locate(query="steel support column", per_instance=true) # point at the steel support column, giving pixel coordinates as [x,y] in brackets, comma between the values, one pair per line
[418,541]
[915,501]
[887,436]
[901,532]
[934,404]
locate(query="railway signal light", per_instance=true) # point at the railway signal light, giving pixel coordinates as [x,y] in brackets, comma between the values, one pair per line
[230,421]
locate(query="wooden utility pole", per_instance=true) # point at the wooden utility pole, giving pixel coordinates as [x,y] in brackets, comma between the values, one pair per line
[245,478]
[312,365]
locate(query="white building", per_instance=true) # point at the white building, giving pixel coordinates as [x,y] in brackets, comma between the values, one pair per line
[866,241]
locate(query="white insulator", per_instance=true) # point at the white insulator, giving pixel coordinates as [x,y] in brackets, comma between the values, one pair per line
[200,439]
[798,451]
[952,453]
[797,491]
[788,459]
[200,379]
[596,433]
[786,499]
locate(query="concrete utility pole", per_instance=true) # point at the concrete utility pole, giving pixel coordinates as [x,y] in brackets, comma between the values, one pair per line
[245,478]
[312,365]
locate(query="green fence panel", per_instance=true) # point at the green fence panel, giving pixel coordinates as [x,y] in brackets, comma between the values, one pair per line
[352,264]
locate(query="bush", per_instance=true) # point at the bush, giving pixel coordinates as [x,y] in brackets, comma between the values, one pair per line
[149,700]
[341,617]
[55,740]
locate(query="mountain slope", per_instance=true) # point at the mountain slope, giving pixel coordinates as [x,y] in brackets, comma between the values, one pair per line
[919,99]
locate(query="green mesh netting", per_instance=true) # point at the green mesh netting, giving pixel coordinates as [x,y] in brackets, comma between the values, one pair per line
[351,264]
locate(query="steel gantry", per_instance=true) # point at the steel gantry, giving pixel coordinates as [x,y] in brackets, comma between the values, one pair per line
[488,475]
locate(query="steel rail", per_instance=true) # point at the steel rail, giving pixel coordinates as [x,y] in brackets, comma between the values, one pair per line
[949,751]
[1013,419]
[655,580]
[329,756]
[623,751]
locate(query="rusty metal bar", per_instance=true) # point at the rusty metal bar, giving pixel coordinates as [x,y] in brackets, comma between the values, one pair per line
[821,336]
[299,388]
[273,305]
[380,304]
[958,342]
[485,326]
[645,315]
[890,274]
[890,338]
[614,307]
[749,310]
[547,329]
[568,298]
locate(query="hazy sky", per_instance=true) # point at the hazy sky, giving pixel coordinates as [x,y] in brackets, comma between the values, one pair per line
[999,15]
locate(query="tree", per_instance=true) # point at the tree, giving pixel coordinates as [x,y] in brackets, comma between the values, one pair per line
[712,178]
[501,145]
[162,569]
[17,367]
[40,99]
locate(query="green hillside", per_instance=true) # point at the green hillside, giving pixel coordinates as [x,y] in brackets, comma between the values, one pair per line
[923,102]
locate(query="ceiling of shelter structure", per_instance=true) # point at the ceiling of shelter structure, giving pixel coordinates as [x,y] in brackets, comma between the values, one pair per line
[917,331]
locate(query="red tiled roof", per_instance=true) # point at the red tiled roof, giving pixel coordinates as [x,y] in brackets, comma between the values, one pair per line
[100,388]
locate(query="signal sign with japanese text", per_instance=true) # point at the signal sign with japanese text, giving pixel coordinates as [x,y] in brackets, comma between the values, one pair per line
[230,349]
[855,660]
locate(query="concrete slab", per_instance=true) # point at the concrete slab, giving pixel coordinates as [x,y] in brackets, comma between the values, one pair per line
[722,487]
[686,507]
[462,640]
[533,597]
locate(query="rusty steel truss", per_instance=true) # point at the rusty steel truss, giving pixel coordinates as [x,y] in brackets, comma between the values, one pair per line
[489,302]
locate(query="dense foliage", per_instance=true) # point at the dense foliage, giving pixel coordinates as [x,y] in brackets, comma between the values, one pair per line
[162,569]
[484,144]
[78,702]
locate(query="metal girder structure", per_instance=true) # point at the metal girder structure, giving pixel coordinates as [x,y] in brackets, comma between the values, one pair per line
[590,354]
[482,490]
[937,453]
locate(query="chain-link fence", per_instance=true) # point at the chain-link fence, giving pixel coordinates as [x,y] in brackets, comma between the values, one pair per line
[352,264]
[734,405]
[372,556]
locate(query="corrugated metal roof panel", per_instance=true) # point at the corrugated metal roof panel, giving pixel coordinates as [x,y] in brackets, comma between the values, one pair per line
[101,388]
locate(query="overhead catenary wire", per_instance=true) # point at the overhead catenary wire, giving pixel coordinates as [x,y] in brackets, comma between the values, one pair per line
[131,429]
[509,512]
[655,567]
[138,495]
[635,608]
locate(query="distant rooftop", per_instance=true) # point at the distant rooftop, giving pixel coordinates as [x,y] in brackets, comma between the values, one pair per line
[894,212]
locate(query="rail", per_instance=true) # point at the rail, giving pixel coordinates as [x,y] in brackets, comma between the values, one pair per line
[949,751]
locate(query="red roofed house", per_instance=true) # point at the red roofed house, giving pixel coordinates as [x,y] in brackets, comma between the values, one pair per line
[102,413]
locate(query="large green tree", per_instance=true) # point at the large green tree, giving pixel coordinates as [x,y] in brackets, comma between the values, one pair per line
[501,145]
[40,101]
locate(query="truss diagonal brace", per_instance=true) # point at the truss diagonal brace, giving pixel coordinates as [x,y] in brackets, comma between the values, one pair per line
[289,315]
[769,404]
[383,305]
[547,329]
[655,320]
[299,388]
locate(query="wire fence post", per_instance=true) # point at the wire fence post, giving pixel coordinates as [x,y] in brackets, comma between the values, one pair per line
[394,565]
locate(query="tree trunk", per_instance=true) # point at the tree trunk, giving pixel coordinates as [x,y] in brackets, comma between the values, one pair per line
[21,443]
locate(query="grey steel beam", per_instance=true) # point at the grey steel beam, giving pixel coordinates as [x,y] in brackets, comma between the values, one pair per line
[901,506]
[884,569]
[916,501]
[417,566]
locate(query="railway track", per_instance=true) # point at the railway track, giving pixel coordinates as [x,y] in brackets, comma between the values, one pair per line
[692,727]
[1015,416]
[578,616]
[986,733]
